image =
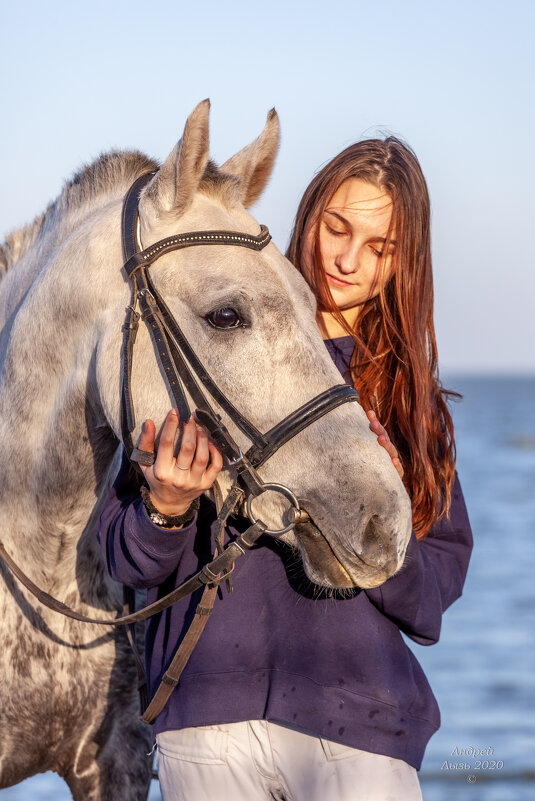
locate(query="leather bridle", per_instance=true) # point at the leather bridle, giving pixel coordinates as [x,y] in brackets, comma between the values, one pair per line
[184,371]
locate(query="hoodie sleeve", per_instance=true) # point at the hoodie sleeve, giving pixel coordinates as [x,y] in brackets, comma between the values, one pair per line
[136,551]
[431,577]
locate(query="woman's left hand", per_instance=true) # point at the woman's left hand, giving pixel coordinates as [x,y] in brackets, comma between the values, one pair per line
[384,440]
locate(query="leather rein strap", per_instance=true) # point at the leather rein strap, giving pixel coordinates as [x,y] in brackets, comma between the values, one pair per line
[210,574]
[209,577]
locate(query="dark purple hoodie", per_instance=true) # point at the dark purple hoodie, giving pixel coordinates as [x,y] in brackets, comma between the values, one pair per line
[279,647]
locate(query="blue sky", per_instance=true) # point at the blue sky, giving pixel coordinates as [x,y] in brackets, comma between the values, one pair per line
[454,79]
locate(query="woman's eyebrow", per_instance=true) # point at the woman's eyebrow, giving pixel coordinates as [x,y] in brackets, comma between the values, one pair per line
[334,214]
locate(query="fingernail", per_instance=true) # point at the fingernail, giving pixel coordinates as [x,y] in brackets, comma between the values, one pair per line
[175,412]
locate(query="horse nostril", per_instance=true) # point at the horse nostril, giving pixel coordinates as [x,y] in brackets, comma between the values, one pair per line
[372,546]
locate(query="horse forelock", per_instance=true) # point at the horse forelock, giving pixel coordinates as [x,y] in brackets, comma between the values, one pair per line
[220,185]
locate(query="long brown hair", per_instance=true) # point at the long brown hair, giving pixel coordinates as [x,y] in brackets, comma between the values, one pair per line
[394,365]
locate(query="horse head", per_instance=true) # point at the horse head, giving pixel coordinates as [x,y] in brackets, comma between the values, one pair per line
[251,319]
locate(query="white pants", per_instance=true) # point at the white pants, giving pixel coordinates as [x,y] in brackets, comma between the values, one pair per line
[263,760]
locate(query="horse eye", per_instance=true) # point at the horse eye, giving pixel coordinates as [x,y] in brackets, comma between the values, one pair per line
[224,318]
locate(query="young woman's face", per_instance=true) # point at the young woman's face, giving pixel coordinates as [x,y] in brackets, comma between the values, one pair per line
[352,237]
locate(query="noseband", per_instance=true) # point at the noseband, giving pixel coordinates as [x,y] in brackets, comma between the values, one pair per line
[184,371]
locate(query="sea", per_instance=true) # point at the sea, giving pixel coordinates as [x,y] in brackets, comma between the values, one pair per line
[483,669]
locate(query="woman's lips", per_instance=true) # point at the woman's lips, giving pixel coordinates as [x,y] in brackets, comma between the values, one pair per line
[337,281]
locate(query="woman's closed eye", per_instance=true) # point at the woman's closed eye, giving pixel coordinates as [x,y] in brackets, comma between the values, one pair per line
[334,231]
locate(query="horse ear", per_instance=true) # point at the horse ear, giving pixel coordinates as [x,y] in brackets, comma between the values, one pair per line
[172,188]
[253,164]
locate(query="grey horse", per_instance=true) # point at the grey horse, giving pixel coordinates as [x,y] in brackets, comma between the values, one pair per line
[68,698]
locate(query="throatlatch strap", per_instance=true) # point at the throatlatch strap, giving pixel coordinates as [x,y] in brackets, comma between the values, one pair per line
[129,217]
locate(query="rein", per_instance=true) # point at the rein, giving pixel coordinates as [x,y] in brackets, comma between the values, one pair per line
[184,374]
[208,577]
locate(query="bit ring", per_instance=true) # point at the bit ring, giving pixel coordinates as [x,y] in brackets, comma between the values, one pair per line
[282,490]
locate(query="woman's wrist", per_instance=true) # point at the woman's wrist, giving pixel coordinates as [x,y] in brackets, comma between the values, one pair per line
[166,507]
[168,516]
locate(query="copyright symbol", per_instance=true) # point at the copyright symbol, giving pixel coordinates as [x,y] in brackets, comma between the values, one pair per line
[471,778]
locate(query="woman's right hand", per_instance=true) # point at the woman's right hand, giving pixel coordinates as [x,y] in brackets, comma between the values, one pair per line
[176,482]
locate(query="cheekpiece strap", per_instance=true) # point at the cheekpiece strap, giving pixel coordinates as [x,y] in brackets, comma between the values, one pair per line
[129,216]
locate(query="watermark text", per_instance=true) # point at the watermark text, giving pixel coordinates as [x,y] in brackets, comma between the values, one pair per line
[474,760]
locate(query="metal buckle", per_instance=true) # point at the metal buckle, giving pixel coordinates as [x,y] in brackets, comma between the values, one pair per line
[280,488]
[147,296]
[237,460]
[208,576]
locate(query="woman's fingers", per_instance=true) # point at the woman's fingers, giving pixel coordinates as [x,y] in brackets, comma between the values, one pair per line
[190,466]
[147,437]
[384,440]
[165,456]
[399,467]
[215,466]
[392,452]
[202,455]
[187,446]
[146,440]
[375,425]
[388,446]
[208,461]
[195,468]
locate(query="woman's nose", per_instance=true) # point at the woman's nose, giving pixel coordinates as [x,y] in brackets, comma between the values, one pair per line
[347,258]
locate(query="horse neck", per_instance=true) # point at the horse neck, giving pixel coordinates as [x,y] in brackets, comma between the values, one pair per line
[52,430]
[49,499]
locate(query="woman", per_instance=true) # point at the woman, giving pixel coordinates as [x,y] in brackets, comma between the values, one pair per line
[353,713]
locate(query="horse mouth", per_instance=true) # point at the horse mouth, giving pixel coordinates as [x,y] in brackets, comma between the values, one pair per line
[319,556]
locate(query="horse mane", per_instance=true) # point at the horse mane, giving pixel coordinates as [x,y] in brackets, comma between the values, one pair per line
[115,170]
[110,171]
